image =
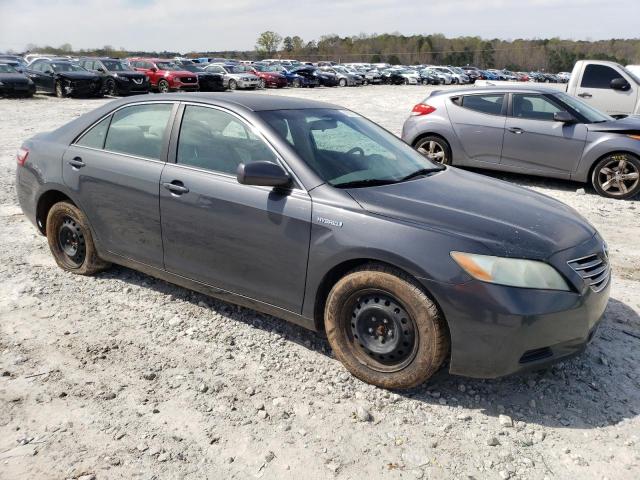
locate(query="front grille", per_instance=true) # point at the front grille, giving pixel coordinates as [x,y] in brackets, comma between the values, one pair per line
[187,79]
[594,269]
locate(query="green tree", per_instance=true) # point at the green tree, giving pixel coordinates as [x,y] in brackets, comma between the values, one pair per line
[288,44]
[268,42]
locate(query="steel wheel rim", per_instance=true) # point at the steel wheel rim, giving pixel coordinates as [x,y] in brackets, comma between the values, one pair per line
[232,85]
[71,242]
[433,150]
[618,176]
[384,336]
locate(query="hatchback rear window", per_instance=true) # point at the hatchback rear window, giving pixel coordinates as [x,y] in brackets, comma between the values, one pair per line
[491,104]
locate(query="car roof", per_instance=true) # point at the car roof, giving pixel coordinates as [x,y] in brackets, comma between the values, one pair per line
[252,101]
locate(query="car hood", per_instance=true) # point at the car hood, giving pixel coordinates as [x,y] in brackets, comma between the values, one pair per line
[623,125]
[78,75]
[509,220]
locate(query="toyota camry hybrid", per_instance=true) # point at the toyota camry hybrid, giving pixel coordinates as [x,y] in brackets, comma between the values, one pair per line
[312,213]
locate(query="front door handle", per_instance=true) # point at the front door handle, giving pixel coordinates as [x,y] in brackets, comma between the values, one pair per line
[516,130]
[76,162]
[585,95]
[176,187]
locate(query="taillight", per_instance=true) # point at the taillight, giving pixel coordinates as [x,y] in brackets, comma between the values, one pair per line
[22,155]
[422,109]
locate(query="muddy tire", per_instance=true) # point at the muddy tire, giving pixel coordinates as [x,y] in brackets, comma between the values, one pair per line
[71,242]
[384,328]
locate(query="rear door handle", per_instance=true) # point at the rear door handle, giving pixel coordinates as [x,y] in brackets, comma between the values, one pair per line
[585,95]
[516,130]
[176,187]
[76,162]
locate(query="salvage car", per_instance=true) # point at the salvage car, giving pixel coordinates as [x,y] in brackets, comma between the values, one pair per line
[302,77]
[207,81]
[529,130]
[310,212]
[63,78]
[14,83]
[235,76]
[269,75]
[165,76]
[118,78]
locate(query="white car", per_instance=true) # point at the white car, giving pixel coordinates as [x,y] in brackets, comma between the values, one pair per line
[455,77]
[235,76]
[445,78]
[411,77]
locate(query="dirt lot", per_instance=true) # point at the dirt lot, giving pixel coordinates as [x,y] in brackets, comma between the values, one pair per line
[125,376]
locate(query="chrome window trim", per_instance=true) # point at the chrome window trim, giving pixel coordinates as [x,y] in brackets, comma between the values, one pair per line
[147,159]
[250,126]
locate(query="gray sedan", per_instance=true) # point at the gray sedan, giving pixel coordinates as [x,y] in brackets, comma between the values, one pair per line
[310,212]
[533,131]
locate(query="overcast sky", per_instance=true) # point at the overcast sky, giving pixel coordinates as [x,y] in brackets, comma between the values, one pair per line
[183,25]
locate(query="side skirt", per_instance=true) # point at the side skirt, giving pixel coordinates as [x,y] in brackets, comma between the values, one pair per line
[211,291]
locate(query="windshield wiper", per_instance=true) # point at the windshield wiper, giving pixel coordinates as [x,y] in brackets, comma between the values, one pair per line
[369,182]
[421,172]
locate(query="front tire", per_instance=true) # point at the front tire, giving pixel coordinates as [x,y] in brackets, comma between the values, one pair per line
[342,82]
[262,84]
[384,328]
[70,240]
[163,86]
[109,87]
[59,90]
[617,176]
[233,84]
[435,149]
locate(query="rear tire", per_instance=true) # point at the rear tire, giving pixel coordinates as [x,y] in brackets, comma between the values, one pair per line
[435,149]
[617,176]
[384,329]
[71,242]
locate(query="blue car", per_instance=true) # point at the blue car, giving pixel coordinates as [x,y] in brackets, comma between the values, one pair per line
[300,77]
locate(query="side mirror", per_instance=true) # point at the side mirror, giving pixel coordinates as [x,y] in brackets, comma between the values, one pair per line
[620,84]
[153,69]
[100,69]
[266,174]
[564,117]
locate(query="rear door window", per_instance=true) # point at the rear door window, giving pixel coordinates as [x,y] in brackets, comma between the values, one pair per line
[96,135]
[598,76]
[490,104]
[139,130]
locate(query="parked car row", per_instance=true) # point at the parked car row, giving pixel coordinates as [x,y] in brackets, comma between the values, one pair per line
[113,76]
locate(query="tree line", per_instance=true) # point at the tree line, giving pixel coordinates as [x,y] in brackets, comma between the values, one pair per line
[551,54]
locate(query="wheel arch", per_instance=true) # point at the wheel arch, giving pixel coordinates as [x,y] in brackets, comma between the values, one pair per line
[47,200]
[335,273]
[592,167]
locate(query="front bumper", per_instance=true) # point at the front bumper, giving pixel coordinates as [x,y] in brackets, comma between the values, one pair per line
[129,87]
[497,330]
[275,82]
[248,83]
[82,88]
[12,89]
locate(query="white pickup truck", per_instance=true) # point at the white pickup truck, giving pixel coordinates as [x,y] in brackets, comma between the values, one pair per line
[608,86]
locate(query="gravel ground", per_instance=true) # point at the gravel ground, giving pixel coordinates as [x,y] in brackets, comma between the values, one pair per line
[125,376]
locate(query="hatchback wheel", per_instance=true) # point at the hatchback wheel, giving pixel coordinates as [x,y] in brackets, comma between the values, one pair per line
[233,84]
[435,149]
[617,176]
[70,240]
[384,328]
[163,86]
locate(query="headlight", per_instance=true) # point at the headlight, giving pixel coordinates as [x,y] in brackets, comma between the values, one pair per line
[1,84]
[635,137]
[115,75]
[510,271]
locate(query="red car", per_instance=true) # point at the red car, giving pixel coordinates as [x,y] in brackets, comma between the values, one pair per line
[164,75]
[270,76]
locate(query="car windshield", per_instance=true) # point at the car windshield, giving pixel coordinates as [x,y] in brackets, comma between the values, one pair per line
[168,66]
[6,68]
[347,150]
[591,114]
[66,67]
[115,65]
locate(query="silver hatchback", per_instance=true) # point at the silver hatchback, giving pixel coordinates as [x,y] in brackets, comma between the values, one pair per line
[533,131]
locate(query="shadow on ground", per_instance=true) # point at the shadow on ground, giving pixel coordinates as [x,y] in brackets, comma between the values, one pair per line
[598,388]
